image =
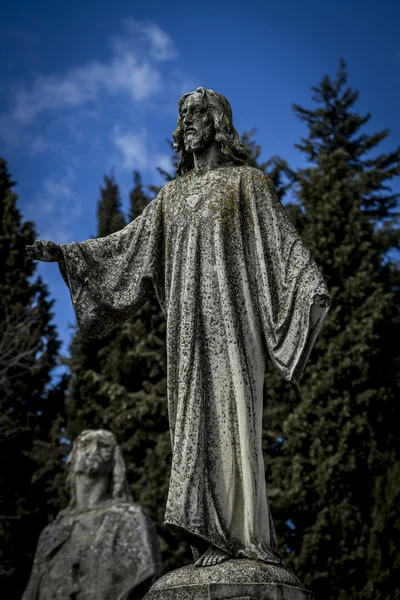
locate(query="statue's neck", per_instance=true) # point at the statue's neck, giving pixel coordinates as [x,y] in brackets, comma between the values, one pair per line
[208,159]
[90,491]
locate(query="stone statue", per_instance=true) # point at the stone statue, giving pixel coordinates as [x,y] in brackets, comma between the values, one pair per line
[102,546]
[235,282]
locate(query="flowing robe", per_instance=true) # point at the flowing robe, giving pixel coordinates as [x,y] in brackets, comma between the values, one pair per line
[235,282]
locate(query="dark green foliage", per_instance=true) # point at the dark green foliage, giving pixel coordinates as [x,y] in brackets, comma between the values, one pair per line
[109,210]
[85,403]
[28,353]
[273,167]
[331,442]
[138,200]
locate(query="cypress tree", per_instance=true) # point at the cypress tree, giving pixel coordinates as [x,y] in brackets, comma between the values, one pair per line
[274,167]
[138,200]
[330,442]
[110,217]
[28,353]
[85,402]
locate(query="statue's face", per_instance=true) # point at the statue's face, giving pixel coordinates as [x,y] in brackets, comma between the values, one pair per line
[198,125]
[95,454]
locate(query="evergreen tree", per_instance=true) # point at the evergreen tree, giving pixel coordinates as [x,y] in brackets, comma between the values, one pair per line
[110,217]
[138,200]
[85,402]
[330,442]
[28,353]
[274,167]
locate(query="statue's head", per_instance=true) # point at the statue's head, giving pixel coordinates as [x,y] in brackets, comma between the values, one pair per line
[205,117]
[96,453]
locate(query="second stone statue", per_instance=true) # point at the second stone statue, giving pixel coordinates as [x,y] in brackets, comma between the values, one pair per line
[102,546]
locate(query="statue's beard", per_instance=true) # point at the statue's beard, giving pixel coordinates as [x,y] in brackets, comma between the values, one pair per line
[94,465]
[197,143]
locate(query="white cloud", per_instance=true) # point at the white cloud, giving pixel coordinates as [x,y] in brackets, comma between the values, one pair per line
[57,189]
[135,152]
[131,69]
[124,74]
[164,162]
[161,46]
[132,146]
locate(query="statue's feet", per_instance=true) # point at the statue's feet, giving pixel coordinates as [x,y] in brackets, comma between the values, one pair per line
[212,556]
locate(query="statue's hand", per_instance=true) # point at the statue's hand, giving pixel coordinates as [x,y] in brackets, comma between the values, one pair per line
[45,251]
[321,300]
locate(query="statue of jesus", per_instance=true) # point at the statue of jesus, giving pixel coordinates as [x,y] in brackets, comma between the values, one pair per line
[235,282]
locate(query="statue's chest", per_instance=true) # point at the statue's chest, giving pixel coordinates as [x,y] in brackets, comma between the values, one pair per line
[199,200]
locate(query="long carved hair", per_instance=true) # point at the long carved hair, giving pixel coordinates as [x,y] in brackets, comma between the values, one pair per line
[118,485]
[225,133]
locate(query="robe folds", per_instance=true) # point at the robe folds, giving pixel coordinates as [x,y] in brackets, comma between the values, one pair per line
[234,281]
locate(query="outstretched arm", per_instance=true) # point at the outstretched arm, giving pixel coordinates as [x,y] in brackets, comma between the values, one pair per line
[45,251]
[48,252]
[109,277]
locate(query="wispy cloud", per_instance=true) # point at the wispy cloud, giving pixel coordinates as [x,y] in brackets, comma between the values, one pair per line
[79,87]
[151,37]
[132,147]
[135,152]
[131,71]
[57,188]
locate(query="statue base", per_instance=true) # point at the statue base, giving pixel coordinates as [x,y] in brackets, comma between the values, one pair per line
[235,579]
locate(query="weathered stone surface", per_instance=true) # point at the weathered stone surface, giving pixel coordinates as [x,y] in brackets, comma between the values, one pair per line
[235,282]
[234,579]
[103,546]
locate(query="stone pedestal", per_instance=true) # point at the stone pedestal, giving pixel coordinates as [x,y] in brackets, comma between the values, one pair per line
[232,580]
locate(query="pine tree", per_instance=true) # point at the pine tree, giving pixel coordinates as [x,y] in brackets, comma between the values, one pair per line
[330,442]
[110,217]
[274,167]
[138,200]
[28,353]
[85,402]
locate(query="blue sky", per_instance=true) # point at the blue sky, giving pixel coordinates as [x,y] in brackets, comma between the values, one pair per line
[91,86]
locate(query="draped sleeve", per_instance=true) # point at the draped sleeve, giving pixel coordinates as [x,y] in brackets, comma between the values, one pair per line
[292,295]
[109,277]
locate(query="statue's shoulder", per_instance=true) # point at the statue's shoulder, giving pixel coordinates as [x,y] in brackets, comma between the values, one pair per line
[260,182]
[52,536]
[255,174]
[131,519]
[234,172]
[170,186]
